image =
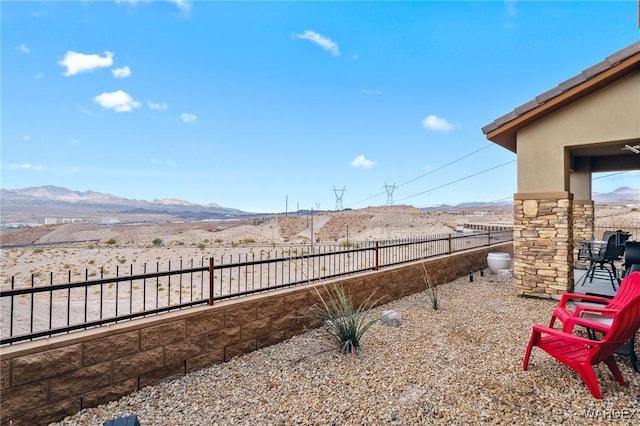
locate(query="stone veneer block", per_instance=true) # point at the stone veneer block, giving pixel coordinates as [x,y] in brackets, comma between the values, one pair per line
[240,315]
[206,323]
[110,392]
[181,351]
[255,328]
[270,339]
[49,363]
[162,334]
[223,338]
[79,381]
[5,373]
[239,349]
[295,301]
[270,307]
[111,347]
[49,413]
[168,372]
[208,358]
[22,398]
[135,365]
[542,254]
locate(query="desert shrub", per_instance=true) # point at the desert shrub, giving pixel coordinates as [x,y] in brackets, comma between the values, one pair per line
[201,246]
[346,323]
[122,260]
[247,241]
[157,242]
[38,250]
[111,241]
[432,290]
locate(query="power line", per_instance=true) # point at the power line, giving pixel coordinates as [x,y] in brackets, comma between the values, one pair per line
[458,180]
[427,173]
[446,165]
[611,174]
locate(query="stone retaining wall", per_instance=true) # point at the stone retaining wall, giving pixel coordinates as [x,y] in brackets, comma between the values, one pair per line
[48,379]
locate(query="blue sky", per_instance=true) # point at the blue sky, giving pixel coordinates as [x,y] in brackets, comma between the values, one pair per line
[251,104]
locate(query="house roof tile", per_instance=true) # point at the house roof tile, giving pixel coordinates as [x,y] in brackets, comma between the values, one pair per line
[610,62]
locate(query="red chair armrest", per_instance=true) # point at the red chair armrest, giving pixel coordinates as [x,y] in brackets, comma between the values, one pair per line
[541,329]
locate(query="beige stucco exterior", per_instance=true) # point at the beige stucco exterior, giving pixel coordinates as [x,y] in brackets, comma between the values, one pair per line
[561,138]
[609,116]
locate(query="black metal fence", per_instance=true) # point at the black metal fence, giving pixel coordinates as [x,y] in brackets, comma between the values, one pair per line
[34,311]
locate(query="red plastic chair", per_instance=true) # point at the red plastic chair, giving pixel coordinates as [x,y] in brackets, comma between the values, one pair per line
[628,290]
[580,353]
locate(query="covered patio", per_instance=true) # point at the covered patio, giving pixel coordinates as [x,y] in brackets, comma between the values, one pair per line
[588,124]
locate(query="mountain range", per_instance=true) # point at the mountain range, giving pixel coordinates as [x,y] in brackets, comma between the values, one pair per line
[47,201]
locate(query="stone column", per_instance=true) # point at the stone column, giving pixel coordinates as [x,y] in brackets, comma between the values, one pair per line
[583,225]
[543,244]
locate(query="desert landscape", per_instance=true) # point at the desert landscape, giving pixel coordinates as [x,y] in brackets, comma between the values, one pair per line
[87,248]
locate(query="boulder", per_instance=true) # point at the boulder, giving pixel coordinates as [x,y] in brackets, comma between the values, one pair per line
[391,318]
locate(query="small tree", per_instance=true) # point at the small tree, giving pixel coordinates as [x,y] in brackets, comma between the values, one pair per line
[156,242]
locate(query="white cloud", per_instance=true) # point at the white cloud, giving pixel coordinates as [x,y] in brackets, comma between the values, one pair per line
[26,166]
[436,123]
[79,62]
[26,138]
[184,5]
[39,76]
[171,163]
[372,92]
[320,40]
[157,106]
[188,118]
[361,162]
[123,72]
[23,48]
[119,101]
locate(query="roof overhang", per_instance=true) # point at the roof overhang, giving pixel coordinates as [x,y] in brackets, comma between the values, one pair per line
[504,129]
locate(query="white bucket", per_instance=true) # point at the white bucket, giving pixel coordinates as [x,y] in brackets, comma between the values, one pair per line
[498,261]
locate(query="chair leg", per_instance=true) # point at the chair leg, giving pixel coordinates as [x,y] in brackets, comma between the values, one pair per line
[615,370]
[589,378]
[533,341]
[633,356]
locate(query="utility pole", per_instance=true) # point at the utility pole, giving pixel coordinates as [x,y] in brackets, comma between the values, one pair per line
[389,189]
[339,196]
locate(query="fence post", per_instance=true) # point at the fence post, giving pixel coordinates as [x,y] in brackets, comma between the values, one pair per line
[489,237]
[377,256]
[210,301]
[449,238]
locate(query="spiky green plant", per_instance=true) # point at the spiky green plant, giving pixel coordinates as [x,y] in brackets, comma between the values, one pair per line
[432,290]
[346,323]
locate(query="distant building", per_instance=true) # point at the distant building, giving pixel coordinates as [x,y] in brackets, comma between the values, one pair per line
[72,220]
[50,221]
[109,221]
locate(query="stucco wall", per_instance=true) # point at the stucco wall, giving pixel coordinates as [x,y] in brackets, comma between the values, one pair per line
[48,379]
[610,114]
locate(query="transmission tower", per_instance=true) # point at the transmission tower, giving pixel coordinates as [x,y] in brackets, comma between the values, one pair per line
[339,193]
[390,189]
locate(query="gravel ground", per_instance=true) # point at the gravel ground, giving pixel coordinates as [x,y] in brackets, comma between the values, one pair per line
[458,365]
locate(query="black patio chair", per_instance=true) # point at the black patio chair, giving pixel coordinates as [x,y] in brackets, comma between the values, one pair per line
[602,260]
[631,257]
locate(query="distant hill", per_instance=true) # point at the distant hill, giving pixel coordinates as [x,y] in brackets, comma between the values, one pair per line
[619,195]
[36,203]
[52,201]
